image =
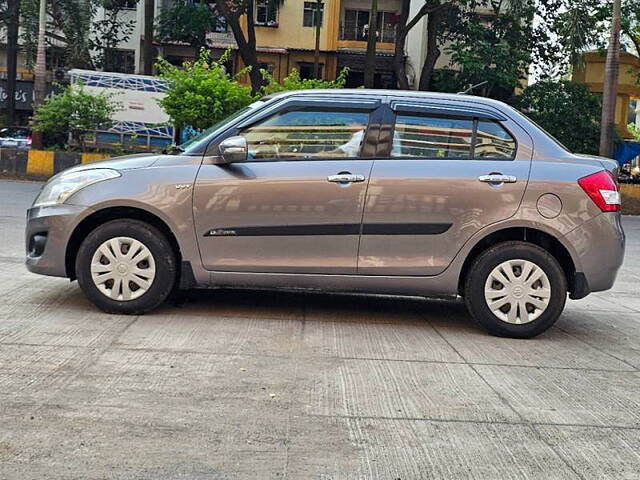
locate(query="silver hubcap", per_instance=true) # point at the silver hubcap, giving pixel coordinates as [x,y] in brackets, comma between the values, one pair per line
[517,291]
[123,268]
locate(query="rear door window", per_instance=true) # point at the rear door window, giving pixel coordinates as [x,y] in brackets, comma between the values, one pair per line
[434,137]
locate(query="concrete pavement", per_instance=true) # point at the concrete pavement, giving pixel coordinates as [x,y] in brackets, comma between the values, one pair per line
[309,386]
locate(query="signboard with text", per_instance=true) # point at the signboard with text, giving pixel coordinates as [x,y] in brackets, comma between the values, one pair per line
[24,94]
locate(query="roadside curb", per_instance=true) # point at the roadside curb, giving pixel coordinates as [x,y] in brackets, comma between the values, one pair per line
[42,164]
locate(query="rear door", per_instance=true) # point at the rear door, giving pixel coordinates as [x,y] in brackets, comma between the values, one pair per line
[449,170]
[296,204]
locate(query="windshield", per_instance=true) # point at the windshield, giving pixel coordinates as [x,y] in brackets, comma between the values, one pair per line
[199,143]
[14,132]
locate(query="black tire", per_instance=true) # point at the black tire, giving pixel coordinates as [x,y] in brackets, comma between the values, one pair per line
[163,255]
[483,266]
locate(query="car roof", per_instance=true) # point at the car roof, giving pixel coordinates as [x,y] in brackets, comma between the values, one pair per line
[415,94]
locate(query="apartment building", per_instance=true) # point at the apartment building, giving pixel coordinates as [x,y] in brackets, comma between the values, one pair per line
[591,72]
[286,35]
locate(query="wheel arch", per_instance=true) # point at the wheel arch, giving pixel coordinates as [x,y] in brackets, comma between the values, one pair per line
[99,217]
[534,236]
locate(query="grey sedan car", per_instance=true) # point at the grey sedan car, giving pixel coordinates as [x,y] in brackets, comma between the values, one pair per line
[380,192]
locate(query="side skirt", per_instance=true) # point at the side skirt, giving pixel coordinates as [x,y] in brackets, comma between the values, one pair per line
[436,286]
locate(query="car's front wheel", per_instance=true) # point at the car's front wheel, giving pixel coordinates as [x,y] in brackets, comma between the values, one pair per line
[515,289]
[126,266]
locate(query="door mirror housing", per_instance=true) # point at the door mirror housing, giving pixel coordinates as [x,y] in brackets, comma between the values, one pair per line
[233,150]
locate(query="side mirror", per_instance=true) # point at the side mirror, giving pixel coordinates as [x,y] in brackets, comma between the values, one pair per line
[234,149]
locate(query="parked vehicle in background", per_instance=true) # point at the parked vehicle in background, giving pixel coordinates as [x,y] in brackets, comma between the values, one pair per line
[629,174]
[15,137]
[386,192]
[139,123]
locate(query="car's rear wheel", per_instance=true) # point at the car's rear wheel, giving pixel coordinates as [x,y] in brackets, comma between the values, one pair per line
[515,289]
[126,266]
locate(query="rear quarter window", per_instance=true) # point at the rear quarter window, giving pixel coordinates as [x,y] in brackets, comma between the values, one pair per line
[493,141]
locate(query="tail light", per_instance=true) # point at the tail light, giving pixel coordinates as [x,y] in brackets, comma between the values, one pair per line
[29,140]
[602,188]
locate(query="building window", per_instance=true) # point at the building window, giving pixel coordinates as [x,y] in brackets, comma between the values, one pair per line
[386,27]
[310,12]
[124,61]
[121,4]
[306,70]
[356,26]
[220,25]
[266,13]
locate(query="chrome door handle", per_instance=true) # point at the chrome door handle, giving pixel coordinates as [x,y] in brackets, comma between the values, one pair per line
[497,178]
[345,178]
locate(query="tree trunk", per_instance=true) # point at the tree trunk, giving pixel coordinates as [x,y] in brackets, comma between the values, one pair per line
[610,88]
[399,63]
[433,50]
[40,70]
[12,59]
[316,55]
[246,45]
[147,46]
[370,59]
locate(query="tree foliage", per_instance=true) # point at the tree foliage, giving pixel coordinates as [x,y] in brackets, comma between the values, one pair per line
[107,33]
[186,21]
[76,112]
[294,82]
[77,35]
[493,42]
[239,15]
[583,25]
[202,92]
[567,110]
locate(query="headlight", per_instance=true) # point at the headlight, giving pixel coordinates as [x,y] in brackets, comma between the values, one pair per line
[62,186]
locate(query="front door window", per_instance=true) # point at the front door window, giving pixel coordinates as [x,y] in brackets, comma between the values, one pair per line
[307,134]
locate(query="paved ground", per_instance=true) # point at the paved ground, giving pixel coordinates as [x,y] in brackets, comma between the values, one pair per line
[274,385]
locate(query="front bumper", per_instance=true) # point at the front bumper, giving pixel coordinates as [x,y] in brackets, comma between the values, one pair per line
[599,245]
[47,236]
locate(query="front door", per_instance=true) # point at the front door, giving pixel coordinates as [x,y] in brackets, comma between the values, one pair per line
[447,175]
[296,204]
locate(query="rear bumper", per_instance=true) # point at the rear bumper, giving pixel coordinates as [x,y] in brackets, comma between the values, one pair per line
[47,235]
[599,245]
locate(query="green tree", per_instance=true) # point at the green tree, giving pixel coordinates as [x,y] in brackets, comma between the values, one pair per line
[188,22]
[567,110]
[147,37]
[610,86]
[76,112]
[582,25]
[76,37]
[434,11]
[372,38]
[109,32]
[495,48]
[294,82]
[10,20]
[202,92]
[234,12]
